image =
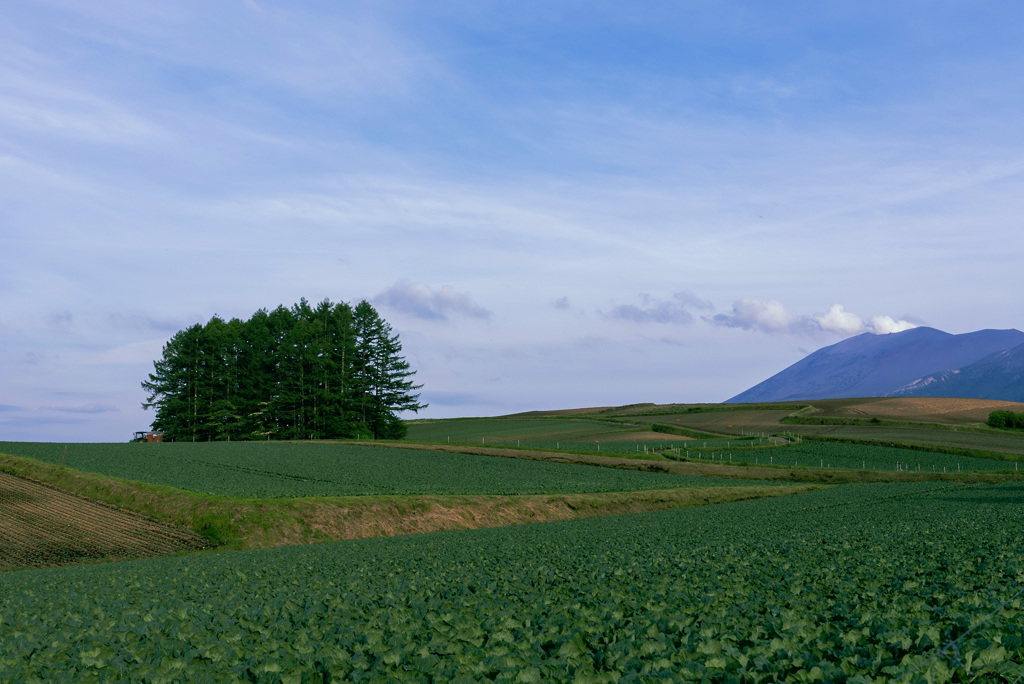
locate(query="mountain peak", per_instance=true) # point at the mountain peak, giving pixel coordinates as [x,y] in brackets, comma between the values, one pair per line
[872,365]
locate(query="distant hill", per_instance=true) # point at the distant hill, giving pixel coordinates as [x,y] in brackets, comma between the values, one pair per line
[914,362]
[997,376]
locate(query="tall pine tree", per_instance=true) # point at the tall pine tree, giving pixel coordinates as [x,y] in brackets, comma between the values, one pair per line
[321,372]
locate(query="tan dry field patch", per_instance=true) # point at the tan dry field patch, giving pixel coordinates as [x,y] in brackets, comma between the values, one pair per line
[331,520]
[918,409]
[41,526]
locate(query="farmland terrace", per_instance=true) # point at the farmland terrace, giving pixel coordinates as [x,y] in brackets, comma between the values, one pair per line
[855,540]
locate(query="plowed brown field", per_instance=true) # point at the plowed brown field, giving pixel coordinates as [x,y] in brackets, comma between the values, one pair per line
[41,526]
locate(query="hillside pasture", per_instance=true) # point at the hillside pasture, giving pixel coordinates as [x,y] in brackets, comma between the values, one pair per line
[484,430]
[545,433]
[753,421]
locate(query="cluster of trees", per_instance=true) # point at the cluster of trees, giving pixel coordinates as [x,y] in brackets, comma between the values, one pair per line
[324,372]
[1007,420]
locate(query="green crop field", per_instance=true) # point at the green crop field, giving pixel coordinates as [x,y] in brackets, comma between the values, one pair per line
[613,437]
[811,453]
[257,469]
[856,583]
[625,448]
[815,454]
[987,441]
[492,430]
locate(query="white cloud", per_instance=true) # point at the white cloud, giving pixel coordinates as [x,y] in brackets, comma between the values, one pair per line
[881,325]
[421,301]
[841,321]
[753,314]
[772,317]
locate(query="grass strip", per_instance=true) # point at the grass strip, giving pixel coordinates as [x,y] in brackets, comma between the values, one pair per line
[261,523]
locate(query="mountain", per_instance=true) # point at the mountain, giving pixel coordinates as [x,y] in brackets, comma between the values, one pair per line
[997,376]
[871,365]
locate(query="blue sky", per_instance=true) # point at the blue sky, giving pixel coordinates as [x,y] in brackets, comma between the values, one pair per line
[554,204]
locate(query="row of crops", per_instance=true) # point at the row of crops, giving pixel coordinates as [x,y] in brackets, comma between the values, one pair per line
[42,526]
[856,583]
[260,470]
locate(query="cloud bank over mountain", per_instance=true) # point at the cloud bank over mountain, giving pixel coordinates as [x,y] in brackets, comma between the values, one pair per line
[772,317]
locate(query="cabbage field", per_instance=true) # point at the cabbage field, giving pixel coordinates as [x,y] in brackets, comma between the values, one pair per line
[856,583]
[275,469]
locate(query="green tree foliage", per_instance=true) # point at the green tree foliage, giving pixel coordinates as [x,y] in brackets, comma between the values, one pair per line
[322,372]
[1007,420]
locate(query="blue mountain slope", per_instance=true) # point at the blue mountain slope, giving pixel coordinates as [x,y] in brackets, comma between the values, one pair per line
[870,365]
[997,376]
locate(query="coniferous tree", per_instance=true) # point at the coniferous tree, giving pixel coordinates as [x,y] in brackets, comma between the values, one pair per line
[386,375]
[307,372]
[173,385]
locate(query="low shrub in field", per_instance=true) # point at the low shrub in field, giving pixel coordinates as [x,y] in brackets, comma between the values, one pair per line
[1007,420]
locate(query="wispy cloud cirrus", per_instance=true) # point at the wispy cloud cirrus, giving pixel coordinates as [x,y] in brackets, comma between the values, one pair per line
[653,309]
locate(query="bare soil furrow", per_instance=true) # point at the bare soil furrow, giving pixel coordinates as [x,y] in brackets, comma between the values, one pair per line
[42,526]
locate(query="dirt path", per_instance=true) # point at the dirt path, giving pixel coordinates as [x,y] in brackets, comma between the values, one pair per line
[41,526]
